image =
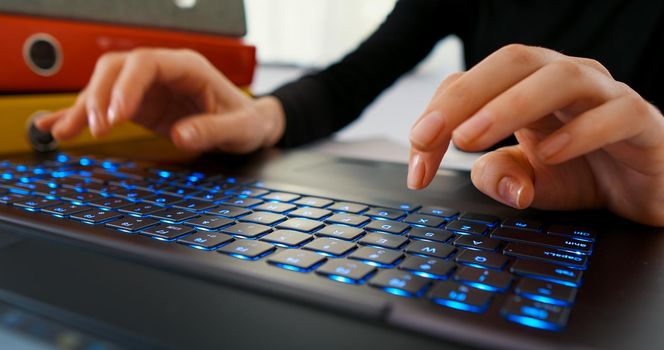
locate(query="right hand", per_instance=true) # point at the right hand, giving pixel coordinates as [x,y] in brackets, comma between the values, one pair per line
[177,94]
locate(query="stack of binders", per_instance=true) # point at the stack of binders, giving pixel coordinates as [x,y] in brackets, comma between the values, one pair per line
[49,49]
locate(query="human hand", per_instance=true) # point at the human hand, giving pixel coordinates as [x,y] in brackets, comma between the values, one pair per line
[177,94]
[585,139]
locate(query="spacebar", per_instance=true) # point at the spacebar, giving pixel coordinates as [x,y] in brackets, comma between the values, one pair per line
[553,256]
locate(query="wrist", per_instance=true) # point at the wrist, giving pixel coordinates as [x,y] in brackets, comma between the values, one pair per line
[272,119]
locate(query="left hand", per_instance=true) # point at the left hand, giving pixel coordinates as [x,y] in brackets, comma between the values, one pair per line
[585,139]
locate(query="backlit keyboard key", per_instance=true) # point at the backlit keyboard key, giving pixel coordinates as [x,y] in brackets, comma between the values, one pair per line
[132,195]
[384,240]
[522,224]
[384,213]
[314,202]
[481,259]
[310,213]
[394,227]
[485,279]
[167,231]
[432,249]
[287,238]
[247,249]
[439,211]
[346,271]
[430,234]
[247,230]
[547,272]
[477,217]
[549,255]
[163,200]
[427,267]
[263,217]
[296,260]
[64,210]
[540,239]
[228,211]
[275,207]
[330,246]
[209,222]
[36,203]
[460,296]
[535,314]
[477,242]
[281,196]
[131,224]
[251,192]
[424,220]
[352,208]
[304,225]
[242,202]
[205,240]
[82,197]
[467,227]
[194,205]
[347,219]
[111,203]
[583,234]
[399,282]
[11,198]
[377,256]
[95,216]
[546,292]
[141,209]
[173,215]
[340,232]
[212,197]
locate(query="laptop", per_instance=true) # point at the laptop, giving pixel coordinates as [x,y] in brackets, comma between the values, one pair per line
[139,245]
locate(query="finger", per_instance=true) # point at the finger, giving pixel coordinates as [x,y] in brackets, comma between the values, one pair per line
[489,78]
[424,131]
[231,132]
[73,121]
[506,176]
[45,122]
[427,128]
[184,71]
[555,86]
[626,118]
[99,91]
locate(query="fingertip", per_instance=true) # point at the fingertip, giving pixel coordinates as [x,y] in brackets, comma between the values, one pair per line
[183,135]
[514,192]
[416,172]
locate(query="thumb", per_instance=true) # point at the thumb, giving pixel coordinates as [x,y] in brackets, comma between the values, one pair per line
[235,132]
[506,176]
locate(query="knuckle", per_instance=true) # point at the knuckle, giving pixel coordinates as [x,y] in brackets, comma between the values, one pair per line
[595,64]
[141,54]
[106,61]
[517,53]
[568,68]
[638,105]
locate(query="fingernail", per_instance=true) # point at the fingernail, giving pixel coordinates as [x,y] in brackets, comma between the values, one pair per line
[92,121]
[472,128]
[510,191]
[415,172]
[426,129]
[187,134]
[553,145]
[111,114]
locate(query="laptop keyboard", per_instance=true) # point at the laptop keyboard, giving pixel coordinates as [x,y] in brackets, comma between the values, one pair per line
[453,259]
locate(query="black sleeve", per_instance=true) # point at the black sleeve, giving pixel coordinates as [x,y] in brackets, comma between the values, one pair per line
[319,104]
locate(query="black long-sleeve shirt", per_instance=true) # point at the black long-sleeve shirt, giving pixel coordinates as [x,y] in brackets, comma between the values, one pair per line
[626,36]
